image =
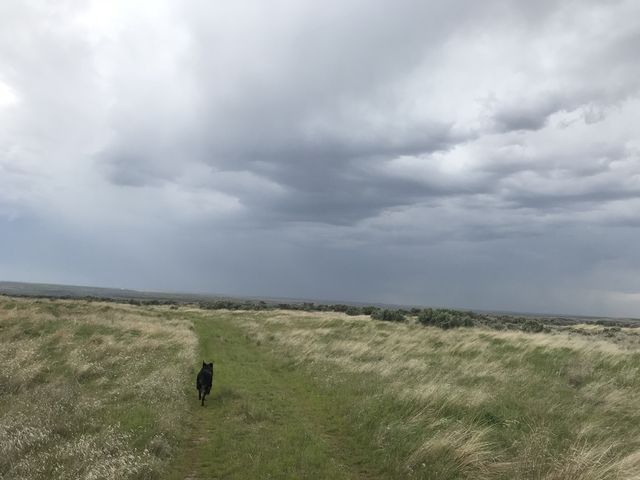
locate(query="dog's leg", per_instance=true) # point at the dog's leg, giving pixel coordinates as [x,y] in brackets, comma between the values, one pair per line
[203,395]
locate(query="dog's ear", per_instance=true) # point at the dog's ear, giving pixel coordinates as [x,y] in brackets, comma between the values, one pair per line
[211,364]
[204,364]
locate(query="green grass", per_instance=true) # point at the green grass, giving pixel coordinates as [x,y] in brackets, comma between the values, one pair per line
[265,418]
[405,401]
[80,397]
[89,390]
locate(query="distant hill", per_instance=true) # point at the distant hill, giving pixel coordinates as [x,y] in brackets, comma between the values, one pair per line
[48,290]
[76,291]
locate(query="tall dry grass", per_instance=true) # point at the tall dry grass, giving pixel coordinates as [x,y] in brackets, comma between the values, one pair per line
[473,403]
[90,390]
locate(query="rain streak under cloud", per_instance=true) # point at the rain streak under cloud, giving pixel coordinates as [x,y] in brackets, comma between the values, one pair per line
[466,154]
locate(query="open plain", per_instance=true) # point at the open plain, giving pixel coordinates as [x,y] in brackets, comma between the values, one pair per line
[96,390]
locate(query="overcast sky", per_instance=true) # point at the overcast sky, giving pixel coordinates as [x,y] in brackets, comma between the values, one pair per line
[456,153]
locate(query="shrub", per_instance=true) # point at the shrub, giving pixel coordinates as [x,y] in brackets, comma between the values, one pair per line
[445,318]
[353,311]
[533,326]
[369,310]
[388,315]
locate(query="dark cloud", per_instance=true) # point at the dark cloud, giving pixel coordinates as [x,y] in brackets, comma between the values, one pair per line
[526,116]
[379,151]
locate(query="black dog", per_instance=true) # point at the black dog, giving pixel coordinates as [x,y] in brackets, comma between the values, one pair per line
[204,381]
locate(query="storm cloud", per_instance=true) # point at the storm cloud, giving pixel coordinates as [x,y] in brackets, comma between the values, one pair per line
[467,154]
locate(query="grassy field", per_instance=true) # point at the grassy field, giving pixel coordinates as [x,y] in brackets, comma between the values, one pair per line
[471,403]
[92,390]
